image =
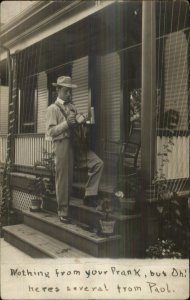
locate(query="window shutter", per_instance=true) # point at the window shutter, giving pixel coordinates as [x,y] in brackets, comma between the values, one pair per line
[80,78]
[110,95]
[4,102]
[42,101]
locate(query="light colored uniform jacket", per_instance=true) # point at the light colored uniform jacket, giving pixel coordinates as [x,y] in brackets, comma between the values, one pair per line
[56,123]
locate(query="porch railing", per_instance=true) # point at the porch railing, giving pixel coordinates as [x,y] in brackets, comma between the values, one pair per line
[29,148]
[3,148]
[177,161]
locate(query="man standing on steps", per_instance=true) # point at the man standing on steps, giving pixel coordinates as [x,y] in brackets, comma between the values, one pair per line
[60,122]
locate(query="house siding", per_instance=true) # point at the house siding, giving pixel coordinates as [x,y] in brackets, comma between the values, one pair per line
[4,100]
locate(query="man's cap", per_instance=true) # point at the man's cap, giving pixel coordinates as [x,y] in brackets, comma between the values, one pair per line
[64,81]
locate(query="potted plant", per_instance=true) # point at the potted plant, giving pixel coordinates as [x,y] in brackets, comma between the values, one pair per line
[37,188]
[125,203]
[43,185]
[47,164]
[107,223]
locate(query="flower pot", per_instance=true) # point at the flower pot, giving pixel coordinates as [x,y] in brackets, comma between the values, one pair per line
[107,227]
[35,205]
[127,204]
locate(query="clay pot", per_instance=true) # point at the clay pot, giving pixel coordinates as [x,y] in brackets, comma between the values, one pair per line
[35,205]
[107,227]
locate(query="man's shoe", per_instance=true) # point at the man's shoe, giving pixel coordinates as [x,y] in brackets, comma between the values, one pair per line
[65,220]
[91,201]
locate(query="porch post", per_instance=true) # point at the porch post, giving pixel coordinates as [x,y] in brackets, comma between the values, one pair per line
[148,110]
[12,110]
[6,191]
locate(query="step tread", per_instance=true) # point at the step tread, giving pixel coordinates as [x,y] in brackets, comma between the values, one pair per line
[77,202]
[52,219]
[117,215]
[109,189]
[43,242]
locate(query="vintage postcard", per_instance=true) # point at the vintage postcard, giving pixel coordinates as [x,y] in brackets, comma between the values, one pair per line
[94,149]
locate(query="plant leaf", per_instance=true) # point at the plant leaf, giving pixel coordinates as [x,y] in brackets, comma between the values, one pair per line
[178,212]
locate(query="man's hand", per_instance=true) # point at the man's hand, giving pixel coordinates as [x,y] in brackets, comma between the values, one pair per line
[71,121]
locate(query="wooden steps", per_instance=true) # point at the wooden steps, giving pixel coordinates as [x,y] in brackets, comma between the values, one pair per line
[74,235]
[82,234]
[38,244]
[43,235]
[91,216]
[78,189]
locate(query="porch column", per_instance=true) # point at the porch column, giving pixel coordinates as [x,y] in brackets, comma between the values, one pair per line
[12,110]
[148,110]
[7,193]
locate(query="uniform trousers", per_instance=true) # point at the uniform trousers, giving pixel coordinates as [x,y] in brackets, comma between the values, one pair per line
[64,165]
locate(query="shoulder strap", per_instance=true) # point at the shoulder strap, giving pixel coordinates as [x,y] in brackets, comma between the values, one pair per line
[62,110]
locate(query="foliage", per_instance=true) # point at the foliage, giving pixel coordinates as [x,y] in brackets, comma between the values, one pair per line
[173,211]
[37,187]
[44,185]
[106,207]
[163,249]
[6,191]
[174,219]
[160,180]
[173,214]
[47,163]
[135,104]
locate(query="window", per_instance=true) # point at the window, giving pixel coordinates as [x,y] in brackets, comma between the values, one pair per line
[27,89]
[28,101]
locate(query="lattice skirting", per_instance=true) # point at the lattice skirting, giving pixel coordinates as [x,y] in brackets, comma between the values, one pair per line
[21,200]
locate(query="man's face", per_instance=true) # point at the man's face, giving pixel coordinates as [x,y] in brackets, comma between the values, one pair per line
[65,94]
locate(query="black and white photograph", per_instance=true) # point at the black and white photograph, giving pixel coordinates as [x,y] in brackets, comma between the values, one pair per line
[94,149]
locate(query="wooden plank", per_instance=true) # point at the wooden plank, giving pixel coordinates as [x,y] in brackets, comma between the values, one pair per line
[43,243]
[72,234]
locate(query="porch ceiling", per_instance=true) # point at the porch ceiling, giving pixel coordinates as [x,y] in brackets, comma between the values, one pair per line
[45,19]
[105,31]
[112,28]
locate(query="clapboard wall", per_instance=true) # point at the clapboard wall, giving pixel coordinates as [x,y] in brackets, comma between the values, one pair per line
[4,103]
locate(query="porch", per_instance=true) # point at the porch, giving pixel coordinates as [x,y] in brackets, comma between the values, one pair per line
[129,222]
[105,62]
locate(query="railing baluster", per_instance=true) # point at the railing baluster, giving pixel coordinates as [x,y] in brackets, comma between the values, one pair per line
[29,149]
